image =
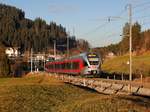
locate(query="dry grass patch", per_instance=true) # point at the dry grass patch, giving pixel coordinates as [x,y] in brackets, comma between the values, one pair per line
[42,93]
[141,64]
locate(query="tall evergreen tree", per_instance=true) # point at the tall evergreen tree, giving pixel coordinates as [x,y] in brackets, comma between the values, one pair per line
[124,44]
[136,36]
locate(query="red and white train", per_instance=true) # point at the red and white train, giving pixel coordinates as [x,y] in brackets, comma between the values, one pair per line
[83,64]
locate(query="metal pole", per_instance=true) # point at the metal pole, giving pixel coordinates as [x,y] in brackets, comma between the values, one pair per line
[55,49]
[130,40]
[31,60]
[44,61]
[67,46]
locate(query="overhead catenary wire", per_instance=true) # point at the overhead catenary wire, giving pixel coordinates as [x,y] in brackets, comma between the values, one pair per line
[141,4]
[137,10]
[113,34]
[108,20]
[94,30]
[139,7]
[143,9]
[141,17]
[116,18]
[145,23]
[141,12]
[122,12]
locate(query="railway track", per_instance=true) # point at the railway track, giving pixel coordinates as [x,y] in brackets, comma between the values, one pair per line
[106,86]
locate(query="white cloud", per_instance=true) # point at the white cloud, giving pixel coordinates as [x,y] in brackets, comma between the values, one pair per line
[62,8]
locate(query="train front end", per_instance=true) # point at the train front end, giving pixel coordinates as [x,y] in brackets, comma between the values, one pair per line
[93,63]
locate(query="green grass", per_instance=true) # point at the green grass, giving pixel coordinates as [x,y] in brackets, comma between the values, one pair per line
[141,64]
[45,94]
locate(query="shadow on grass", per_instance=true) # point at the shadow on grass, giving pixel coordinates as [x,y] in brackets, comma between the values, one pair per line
[141,101]
[83,87]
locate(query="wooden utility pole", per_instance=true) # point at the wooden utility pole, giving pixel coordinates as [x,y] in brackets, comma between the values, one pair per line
[31,59]
[130,40]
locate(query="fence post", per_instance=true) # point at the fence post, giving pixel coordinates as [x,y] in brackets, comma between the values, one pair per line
[69,78]
[141,78]
[84,82]
[122,76]
[107,77]
[114,77]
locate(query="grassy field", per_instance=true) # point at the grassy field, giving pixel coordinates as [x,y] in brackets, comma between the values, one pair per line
[141,64]
[45,94]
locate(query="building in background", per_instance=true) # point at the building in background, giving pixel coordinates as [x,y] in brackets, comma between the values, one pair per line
[12,51]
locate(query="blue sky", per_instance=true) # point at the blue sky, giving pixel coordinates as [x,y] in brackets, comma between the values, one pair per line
[87,19]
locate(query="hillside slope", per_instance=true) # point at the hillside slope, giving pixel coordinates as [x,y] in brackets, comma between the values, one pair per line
[141,64]
[18,31]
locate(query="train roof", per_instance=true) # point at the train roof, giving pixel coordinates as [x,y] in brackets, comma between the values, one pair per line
[82,55]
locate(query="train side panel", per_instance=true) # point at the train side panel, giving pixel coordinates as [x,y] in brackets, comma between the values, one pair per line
[68,66]
[85,63]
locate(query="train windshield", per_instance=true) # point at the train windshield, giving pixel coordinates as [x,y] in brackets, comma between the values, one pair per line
[93,58]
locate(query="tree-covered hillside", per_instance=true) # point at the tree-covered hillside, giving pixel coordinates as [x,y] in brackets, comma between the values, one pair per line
[18,31]
[140,41]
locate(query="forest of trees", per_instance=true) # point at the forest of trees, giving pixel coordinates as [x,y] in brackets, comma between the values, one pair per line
[140,41]
[17,31]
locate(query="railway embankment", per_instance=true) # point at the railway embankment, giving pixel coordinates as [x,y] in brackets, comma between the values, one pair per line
[108,86]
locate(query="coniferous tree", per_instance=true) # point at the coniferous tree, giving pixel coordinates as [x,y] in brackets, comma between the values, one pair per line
[125,40]
[136,36]
[17,31]
[4,63]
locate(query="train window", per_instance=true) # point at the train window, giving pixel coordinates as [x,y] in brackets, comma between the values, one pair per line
[93,58]
[56,66]
[94,62]
[53,66]
[63,66]
[59,66]
[85,63]
[50,66]
[75,65]
[92,55]
[68,65]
